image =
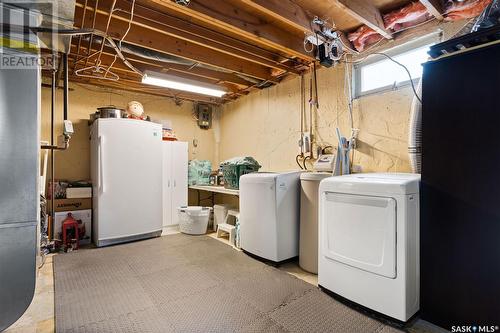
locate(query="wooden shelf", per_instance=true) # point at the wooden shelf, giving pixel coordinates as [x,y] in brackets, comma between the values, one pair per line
[215,189]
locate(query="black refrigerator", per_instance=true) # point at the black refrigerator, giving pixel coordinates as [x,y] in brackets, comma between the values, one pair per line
[460,190]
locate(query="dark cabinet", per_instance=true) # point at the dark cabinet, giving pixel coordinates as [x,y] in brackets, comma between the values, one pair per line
[460,189]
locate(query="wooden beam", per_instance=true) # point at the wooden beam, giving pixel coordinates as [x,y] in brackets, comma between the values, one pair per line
[122,68]
[198,35]
[285,11]
[162,66]
[229,16]
[156,39]
[404,37]
[366,13]
[144,90]
[434,7]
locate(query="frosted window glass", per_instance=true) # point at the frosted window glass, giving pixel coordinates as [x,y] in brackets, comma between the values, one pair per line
[385,73]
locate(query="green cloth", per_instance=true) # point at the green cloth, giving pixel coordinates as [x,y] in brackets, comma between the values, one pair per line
[199,172]
[248,160]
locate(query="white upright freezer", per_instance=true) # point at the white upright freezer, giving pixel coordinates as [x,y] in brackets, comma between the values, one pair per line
[126,169]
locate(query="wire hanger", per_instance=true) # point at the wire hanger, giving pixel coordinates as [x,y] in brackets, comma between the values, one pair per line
[97,72]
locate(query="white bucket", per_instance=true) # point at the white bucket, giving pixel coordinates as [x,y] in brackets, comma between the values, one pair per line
[193,220]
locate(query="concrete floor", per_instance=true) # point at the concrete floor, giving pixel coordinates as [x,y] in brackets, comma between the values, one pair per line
[39,317]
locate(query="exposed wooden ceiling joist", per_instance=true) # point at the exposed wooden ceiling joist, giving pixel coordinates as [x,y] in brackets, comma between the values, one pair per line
[156,39]
[196,34]
[236,44]
[230,16]
[138,88]
[162,66]
[434,7]
[366,13]
[121,69]
[285,11]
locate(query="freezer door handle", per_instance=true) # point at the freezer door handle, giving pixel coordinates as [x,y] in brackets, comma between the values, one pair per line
[168,183]
[175,183]
[101,165]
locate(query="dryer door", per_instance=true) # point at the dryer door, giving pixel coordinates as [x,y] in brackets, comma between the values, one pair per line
[360,231]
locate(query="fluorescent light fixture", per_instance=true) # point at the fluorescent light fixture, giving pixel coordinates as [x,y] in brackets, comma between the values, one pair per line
[179,83]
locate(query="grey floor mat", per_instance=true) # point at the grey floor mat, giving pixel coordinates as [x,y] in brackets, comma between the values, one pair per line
[182,283]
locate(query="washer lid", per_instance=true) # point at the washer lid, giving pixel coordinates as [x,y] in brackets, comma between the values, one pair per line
[258,177]
[315,176]
[264,177]
[384,183]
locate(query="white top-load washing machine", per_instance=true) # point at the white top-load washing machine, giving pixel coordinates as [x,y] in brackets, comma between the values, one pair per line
[369,241]
[269,215]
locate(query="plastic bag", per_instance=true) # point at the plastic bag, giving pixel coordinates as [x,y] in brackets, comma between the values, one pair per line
[248,160]
[199,172]
[458,10]
[489,17]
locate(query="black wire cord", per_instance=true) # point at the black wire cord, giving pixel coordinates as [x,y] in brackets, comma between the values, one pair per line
[304,162]
[407,72]
[394,61]
[298,162]
[325,148]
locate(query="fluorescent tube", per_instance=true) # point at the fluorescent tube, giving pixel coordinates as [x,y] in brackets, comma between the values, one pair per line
[178,83]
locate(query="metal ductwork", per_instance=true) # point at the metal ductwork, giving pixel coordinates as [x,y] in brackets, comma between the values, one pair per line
[19,181]
[55,15]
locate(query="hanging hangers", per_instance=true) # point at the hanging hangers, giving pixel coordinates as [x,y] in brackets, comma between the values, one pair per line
[97,72]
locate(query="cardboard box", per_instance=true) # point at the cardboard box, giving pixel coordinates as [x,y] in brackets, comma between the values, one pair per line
[78,192]
[84,218]
[63,205]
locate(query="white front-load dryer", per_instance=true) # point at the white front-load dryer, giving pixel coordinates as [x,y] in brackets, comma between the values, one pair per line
[269,215]
[369,241]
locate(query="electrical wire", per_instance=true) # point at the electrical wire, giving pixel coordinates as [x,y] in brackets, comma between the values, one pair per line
[407,72]
[298,162]
[304,162]
[123,37]
[394,61]
[107,29]
[323,150]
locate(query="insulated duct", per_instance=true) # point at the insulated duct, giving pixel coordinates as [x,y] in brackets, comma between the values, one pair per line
[415,132]
[162,57]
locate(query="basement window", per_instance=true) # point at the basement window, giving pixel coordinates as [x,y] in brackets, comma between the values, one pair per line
[378,73]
